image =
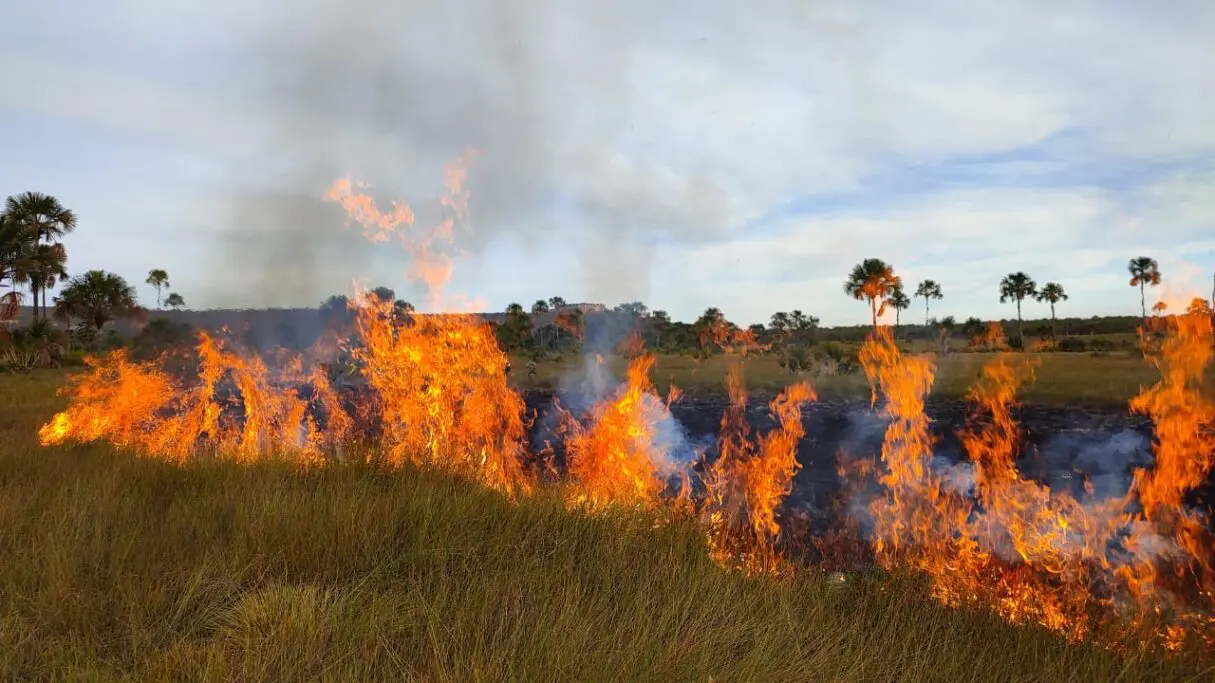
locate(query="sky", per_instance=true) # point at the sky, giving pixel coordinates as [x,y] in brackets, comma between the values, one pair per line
[683,153]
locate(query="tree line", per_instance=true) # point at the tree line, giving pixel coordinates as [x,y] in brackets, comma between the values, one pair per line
[34,259]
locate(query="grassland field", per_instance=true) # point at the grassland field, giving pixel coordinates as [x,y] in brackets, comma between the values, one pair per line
[1103,380]
[120,568]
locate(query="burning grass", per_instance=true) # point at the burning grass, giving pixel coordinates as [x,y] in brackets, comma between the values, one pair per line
[139,569]
[1130,572]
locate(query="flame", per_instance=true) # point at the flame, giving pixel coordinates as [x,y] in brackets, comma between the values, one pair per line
[750,478]
[139,406]
[443,396]
[436,394]
[615,457]
[1037,556]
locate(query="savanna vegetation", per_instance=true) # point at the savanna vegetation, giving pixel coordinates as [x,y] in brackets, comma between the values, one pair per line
[126,568]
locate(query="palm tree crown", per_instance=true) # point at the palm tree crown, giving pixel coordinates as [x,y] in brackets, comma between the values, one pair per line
[1017,287]
[928,290]
[160,280]
[1144,271]
[97,297]
[871,280]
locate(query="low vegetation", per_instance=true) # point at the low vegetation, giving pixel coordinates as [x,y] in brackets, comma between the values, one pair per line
[120,568]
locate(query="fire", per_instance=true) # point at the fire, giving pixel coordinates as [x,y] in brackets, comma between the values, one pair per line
[750,479]
[616,458]
[434,392]
[139,406]
[442,392]
[1031,554]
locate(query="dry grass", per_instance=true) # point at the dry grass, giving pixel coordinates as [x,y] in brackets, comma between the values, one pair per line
[120,568]
[1061,378]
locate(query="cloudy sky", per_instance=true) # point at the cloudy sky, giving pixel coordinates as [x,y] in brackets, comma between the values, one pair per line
[687,153]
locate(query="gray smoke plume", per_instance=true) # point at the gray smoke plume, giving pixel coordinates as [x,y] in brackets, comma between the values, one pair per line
[389,92]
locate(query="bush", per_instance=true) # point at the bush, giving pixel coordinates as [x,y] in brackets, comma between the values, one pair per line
[796,359]
[1072,345]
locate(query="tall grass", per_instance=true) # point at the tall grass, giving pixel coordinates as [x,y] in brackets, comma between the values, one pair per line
[119,568]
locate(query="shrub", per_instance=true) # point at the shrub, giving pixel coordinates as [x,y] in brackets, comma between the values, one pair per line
[1072,345]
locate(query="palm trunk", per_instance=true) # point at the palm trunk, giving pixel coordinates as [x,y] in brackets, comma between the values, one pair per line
[897,314]
[927,317]
[1054,324]
[1020,327]
[1143,304]
[873,311]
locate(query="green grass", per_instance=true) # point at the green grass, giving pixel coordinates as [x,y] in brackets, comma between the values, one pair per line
[120,568]
[1060,378]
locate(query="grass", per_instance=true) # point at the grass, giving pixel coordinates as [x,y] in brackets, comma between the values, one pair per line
[1061,378]
[121,568]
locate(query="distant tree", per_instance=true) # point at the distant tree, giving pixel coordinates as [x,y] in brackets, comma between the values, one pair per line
[42,267]
[973,328]
[636,309]
[383,294]
[159,279]
[944,329]
[175,301]
[1052,293]
[871,280]
[1017,287]
[516,330]
[43,219]
[781,324]
[541,306]
[659,323]
[556,303]
[14,244]
[1199,306]
[96,297]
[336,311]
[712,331]
[1144,271]
[899,302]
[928,290]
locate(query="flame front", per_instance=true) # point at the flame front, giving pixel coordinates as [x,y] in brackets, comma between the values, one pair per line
[1037,556]
[435,393]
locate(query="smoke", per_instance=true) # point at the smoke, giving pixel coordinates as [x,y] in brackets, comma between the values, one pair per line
[1106,461]
[389,92]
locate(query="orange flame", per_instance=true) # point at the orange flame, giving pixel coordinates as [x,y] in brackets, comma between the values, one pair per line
[750,479]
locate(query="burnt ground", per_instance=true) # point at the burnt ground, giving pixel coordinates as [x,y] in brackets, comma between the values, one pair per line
[1062,447]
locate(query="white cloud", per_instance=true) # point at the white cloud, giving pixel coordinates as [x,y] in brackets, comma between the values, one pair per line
[606,126]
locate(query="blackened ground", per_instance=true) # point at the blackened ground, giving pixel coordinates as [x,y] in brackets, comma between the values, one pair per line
[1062,447]
[1065,448]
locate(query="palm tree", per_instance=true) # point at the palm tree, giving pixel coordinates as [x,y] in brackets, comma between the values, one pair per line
[14,247]
[48,263]
[43,218]
[899,302]
[1052,293]
[928,289]
[158,279]
[1016,287]
[871,280]
[174,301]
[1144,271]
[96,297]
